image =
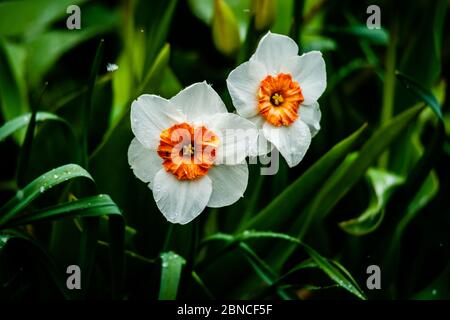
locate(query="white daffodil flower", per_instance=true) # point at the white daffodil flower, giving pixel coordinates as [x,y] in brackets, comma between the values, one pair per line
[278,91]
[190,151]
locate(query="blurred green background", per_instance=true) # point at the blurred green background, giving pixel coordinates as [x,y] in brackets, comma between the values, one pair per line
[373,188]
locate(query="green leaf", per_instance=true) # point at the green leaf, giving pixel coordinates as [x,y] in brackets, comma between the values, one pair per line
[155,74]
[21,121]
[307,264]
[158,29]
[376,36]
[202,285]
[87,108]
[153,80]
[335,271]
[382,184]
[426,193]
[422,93]
[171,266]
[44,50]
[342,181]
[13,99]
[40,185]
[95,206]
[34,15]
[90,225]
[25,151]
[279,212]
[263,270]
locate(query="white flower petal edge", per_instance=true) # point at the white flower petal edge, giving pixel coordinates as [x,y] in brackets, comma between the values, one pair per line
[150,114]
[237,137]
[144,162]
[263,145]
[292,141]
[228,183]
[310,72]
[243,84]
[180,202]
[273,50]
[311,115]
[198,100]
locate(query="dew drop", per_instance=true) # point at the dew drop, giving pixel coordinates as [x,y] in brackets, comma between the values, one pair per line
[434,292]
[55,176]
[41,189]
[165,264]
[19,194]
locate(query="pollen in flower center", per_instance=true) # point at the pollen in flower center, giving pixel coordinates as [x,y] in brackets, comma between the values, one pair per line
[188,152]
[276,99]
[279,98]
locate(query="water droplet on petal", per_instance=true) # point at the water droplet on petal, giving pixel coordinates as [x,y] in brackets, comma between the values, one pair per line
[41,189]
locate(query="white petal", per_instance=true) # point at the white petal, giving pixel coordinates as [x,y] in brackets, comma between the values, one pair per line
[228,184]
[292,141]
[273,50]
[243,84]
[198,100]
[151,114]
[258,121]
[144,162]
[263,145]
[237,136]
[311,115]
[180,201]
[310,73]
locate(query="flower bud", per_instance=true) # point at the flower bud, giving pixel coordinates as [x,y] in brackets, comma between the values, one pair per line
[225,29]
[264,11]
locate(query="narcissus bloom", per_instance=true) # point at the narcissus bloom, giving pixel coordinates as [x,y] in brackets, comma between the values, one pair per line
[278,91]
[190,151]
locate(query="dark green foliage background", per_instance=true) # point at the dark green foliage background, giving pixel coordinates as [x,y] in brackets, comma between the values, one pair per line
[375,126]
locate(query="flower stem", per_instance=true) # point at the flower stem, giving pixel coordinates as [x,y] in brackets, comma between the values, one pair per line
[387,110]
[168,238]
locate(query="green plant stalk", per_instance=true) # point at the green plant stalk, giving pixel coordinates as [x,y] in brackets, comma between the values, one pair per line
[387,109]
[88,104]
[297,22]
[25,151]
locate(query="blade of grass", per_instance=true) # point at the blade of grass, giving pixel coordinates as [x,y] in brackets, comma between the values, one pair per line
[333,270]
[423,94]
[90,225]
[279,211]
[339,184]
[40,185]
[88,102]
[19,122]
[171,267]
[25,151]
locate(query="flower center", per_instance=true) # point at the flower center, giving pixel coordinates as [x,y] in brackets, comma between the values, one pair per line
[279,98]
[188,152]
[276,99]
